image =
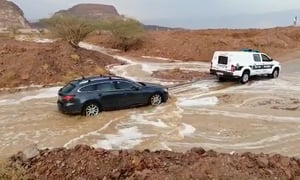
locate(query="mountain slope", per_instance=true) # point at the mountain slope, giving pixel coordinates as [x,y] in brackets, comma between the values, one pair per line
[11,15]
[94,11]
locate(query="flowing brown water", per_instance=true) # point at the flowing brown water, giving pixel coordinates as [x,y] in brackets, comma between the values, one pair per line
[262,116]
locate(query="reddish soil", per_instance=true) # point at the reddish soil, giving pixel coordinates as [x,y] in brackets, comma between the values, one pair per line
[178,74]
[84,162]
[26,63]
[200,44]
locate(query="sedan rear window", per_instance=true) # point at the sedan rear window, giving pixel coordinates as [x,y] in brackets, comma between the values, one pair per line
[108,86]
[68,88]
[89,88]
[125,85]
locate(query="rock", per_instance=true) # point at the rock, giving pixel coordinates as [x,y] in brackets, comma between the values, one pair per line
[115,152]
[25,76]
[285,161]
[80,178]
[297,178]
[31,151]
[288,173]
[211,153]
[11,16]
[198,150]
[262,162]
[142,174]
[18,158]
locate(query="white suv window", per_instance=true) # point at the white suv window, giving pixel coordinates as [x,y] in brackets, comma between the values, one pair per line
[265,58]
[256,57]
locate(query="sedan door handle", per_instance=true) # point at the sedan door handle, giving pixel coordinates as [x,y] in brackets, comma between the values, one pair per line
[99,94]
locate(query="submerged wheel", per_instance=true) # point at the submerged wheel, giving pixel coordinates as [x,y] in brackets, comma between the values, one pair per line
[221,79]
[245,77]
[275,73]
[91,109]
[155,99]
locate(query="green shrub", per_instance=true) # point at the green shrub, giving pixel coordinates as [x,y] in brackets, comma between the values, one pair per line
[126,33]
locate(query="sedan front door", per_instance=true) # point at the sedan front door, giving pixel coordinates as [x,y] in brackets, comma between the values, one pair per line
[109,96]
[132,94]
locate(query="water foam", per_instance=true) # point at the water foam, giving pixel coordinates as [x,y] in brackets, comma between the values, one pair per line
[38,94]
[126,138]
[141,119]
[207,101]
[186,130]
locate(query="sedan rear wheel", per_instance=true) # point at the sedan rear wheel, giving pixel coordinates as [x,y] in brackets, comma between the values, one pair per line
[155,99]
[91,109]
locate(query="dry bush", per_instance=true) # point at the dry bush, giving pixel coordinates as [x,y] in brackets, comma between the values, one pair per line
[8,77]
[100,71]
[69,76]
[75,57]
[70,28]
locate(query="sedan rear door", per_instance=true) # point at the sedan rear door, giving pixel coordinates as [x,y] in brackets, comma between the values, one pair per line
[108,95]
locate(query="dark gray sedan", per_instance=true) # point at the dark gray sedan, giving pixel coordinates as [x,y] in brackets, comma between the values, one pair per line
[91,95]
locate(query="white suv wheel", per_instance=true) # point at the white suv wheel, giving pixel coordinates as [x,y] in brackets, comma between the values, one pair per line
[245,78]
[275,73]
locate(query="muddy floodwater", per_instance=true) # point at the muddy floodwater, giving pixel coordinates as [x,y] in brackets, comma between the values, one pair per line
[261,116]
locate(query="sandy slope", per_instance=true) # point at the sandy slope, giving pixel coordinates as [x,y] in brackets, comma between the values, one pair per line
[200,44]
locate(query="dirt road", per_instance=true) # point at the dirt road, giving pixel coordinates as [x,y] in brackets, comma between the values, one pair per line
[261,116]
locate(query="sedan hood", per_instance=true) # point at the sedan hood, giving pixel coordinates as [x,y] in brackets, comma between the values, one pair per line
[152,85]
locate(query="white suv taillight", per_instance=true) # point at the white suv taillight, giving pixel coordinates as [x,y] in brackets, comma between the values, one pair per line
[232,68]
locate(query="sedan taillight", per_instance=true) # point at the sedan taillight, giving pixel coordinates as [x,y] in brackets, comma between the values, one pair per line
[68,97]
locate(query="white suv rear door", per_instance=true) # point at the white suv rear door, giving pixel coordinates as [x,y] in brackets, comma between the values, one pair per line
[257,66]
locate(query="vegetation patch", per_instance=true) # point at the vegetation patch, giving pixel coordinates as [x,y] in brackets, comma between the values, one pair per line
[12,172]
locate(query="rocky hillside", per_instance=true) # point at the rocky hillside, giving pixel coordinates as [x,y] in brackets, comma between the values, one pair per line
[94,11]
[11,15]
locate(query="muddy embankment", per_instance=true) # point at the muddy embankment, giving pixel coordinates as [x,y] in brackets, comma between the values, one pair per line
[26,63]
[84,162]
[199,45]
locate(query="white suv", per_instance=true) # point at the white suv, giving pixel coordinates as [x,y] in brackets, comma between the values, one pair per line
[243,64]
